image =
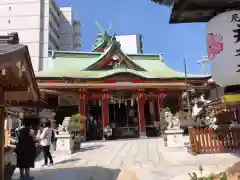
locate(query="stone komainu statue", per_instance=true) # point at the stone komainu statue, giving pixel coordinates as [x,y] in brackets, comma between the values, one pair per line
[173,121]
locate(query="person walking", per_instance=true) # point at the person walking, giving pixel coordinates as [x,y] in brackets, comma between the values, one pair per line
[25,149]
[45,141]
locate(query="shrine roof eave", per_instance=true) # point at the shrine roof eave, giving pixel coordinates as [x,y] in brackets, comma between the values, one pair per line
[30,104]
[22,98]
[11,53]
[165,73]
[187,11]
[97,79]
[120,85]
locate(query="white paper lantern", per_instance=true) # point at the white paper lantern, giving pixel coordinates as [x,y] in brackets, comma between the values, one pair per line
[223,42]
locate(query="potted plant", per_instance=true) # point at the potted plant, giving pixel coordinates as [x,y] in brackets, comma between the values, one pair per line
[194,176]
[74,127]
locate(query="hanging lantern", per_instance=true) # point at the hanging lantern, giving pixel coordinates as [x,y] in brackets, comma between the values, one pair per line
[223,48]
[100,103]
[119,103]
[126,103]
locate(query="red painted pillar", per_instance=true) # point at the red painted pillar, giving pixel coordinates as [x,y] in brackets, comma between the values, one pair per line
[141,116]
[105,110]
[82,110]
[160,102]
[160,107]
[82,104]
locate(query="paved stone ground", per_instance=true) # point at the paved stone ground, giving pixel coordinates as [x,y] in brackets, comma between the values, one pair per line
[142,158]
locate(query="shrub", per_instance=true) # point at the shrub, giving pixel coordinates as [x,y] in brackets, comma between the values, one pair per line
[221,176]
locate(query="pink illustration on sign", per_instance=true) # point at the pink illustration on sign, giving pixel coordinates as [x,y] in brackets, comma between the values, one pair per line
[214,45]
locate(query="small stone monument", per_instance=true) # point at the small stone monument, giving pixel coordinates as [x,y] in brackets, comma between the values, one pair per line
[64,138]
[174,134]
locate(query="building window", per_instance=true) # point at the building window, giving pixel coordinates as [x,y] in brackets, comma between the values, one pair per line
[9,21]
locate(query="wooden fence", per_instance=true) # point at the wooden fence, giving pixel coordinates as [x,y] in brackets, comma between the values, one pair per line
[206,140]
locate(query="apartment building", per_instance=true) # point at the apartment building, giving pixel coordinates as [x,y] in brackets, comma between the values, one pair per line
[41,25]
[69,30]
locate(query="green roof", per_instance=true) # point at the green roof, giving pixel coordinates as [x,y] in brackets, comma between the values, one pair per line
[75,64]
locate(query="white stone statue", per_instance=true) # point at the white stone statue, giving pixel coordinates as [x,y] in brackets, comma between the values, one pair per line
[64,127]
[64,140]
[60,128]
[173,121]
[167,116]
[174,134]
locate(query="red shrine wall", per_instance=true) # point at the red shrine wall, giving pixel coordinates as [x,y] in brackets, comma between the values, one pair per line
[141,98]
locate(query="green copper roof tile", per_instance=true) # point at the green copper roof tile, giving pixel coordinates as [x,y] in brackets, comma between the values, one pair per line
[92,74]
[73,64]
[102,74]
[76,54]
[145,56]
[73,74]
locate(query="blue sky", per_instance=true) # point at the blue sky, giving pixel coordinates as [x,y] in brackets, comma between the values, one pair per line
[175,41]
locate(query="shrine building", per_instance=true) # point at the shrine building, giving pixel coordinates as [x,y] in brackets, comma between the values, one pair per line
[127,90]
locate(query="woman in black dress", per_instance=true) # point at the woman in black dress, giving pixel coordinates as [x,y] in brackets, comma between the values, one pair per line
[26,149]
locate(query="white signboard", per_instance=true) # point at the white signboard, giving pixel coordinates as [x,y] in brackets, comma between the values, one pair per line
[223,47]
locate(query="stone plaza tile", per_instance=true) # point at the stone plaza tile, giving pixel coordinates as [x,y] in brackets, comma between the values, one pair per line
[148,158]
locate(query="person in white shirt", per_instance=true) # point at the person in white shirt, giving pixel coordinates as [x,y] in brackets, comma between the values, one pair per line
[45,141]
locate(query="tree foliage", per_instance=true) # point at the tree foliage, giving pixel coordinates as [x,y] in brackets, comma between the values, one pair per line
[164,2]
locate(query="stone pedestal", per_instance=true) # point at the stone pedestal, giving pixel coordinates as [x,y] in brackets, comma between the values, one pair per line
[64,143]
[174,137]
